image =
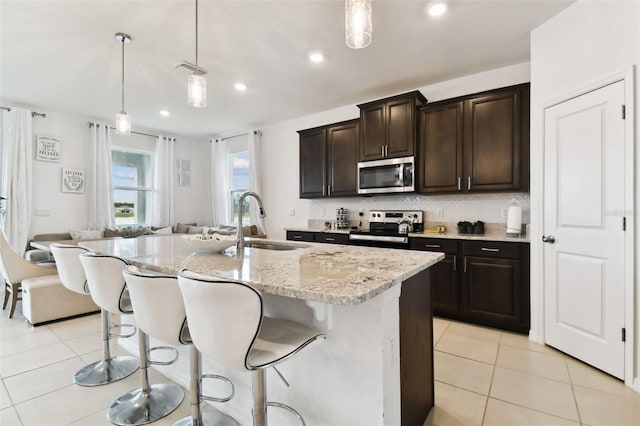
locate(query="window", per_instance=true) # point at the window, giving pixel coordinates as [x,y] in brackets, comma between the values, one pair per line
[132,177]
[238,166]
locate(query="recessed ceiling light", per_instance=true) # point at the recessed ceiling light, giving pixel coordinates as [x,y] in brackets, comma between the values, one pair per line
[165,113]
[437,9]
[240,87]
[316,57]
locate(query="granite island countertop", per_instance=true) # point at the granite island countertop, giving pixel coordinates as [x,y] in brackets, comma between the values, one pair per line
[325,273]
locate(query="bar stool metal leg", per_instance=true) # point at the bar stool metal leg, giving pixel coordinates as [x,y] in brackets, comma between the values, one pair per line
[109,369]
[149,402]
[198,418]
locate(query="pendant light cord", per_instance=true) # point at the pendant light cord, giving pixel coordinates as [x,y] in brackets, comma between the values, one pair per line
[122,86]
[196,72]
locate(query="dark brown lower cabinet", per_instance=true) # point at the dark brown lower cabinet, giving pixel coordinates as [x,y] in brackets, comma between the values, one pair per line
[482,282]
[319,237]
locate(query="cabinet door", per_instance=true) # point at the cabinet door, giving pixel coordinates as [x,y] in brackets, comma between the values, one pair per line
[342,144]
[401,128]
[445,289]
[313,163]
[492,290]
[492,142]
[440,155]
[373,132]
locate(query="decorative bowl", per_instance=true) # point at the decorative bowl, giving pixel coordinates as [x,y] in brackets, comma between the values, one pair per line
[210,242]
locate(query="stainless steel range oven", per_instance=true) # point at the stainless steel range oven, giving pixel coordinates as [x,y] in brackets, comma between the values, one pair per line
[385,229]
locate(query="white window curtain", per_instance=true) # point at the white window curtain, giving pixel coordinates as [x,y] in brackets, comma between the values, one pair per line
[255,177]
[219,182]
[101,209]
[162,213]
[17,163]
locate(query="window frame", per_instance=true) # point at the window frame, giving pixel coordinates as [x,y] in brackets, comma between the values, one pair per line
[146,189]
[232,189]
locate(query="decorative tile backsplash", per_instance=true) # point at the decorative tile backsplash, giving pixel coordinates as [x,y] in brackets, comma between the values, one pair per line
[442,208]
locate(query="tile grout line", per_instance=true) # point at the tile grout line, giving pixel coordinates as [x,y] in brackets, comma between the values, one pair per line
[493,373]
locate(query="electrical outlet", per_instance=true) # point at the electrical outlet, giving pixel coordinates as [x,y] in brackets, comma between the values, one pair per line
[440,213]
[324,212]
[504,212]
[292,212]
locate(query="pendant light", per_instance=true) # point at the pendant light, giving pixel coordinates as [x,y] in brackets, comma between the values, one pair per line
[357,14]
[197,84]
[123,121]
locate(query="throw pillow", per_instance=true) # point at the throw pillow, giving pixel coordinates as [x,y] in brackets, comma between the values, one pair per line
[195,229]
[182,228]
[162,231]
[86,235]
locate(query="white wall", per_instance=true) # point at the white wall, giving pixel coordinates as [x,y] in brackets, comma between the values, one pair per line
[588,41]
[280,154]
[70,211]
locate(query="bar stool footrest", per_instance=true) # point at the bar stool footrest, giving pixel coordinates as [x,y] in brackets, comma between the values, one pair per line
[162,348]
[224,379]
[124,336]
[140,407]
[289,409]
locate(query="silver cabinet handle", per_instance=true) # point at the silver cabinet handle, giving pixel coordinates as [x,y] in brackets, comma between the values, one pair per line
[382,148]
[465,265]
[489,249]
[432,245]
[459,183]
[297,237]
[455,263]
[386,150]
[329,190]
[469,183]
[550,239]
[329,239]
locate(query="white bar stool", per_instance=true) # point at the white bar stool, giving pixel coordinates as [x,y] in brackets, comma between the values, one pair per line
[226,323]
[147,403]
[110,296]
[159,312]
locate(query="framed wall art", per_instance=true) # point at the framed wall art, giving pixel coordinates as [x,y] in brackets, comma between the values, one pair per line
[73,181]
[48,148]
[184,172]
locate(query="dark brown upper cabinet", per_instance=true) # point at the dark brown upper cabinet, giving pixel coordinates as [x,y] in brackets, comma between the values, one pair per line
[328,160]
[476,143]
[389,126]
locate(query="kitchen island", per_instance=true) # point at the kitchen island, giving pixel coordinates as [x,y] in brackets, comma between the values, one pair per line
[376,365]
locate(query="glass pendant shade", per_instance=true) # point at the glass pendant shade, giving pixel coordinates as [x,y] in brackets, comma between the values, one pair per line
[358,25]
[197,91]
[123,124]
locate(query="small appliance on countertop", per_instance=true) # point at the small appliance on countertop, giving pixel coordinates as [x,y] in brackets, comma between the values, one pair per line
[389,228]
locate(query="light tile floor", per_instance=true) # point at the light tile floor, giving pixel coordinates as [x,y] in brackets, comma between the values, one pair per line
[483,377]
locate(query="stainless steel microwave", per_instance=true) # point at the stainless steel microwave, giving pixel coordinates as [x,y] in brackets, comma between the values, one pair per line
[386,176]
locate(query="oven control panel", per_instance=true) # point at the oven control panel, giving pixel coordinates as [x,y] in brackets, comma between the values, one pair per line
[395,216]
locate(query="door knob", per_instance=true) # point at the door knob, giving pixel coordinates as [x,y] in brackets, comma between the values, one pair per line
[550,239]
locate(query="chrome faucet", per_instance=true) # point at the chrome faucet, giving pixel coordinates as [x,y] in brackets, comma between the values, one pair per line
[240,243]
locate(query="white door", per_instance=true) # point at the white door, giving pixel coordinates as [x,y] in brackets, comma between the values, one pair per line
[584,205]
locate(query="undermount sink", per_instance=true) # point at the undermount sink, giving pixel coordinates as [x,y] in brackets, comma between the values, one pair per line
[273,246]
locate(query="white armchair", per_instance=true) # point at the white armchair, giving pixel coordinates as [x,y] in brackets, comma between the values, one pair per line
[14,270]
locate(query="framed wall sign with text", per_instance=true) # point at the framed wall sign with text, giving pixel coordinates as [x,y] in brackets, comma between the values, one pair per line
[48,148]
[73,181]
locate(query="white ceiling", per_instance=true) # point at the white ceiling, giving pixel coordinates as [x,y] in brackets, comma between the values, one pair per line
[62,55]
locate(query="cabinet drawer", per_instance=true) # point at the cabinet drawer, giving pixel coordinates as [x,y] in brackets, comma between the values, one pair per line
[332,238]
[434,244]
[491,249]
[300,236]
